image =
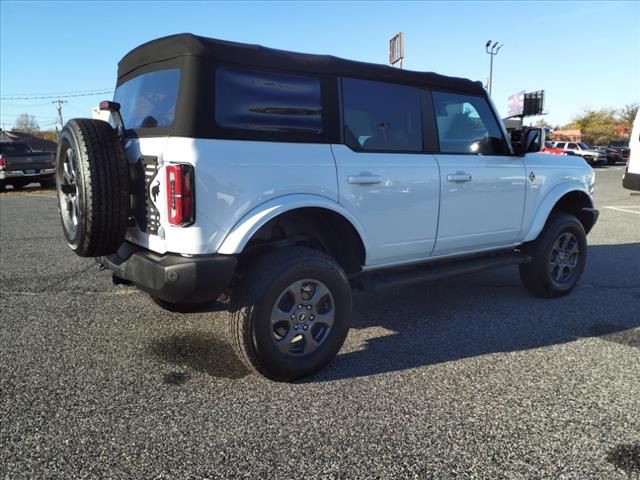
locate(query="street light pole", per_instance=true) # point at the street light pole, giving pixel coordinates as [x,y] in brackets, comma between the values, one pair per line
[493,51]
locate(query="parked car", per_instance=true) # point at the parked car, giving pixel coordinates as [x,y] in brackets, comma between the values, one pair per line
[622,146]
[631,177]
[20,166]
[593,157]
[549,147]
[613,155]
[303,177]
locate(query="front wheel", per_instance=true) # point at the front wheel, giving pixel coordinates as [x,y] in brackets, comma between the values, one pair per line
[558,257]
[290,313]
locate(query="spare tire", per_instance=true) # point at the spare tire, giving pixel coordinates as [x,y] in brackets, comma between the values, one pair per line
[92,180]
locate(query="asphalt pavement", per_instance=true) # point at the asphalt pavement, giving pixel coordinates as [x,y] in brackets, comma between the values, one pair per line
[468,378]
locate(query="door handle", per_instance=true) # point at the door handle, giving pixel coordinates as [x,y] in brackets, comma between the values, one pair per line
[364,179]
[459,177]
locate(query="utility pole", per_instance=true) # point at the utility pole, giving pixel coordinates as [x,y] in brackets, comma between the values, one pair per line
[492,53]
[59,108]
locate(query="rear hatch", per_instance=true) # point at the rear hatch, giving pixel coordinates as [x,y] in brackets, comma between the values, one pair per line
[148,108]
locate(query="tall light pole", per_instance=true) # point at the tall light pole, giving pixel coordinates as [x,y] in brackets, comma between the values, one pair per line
[492,51]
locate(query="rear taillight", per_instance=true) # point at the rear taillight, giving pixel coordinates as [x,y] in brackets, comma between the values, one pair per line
[2,164]
[181,205]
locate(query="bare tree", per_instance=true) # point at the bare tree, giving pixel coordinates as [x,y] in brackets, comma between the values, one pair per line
[26,123]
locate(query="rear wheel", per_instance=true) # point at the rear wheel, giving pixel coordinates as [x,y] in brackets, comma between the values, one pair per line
[290,314]
[558,257]
[92,177]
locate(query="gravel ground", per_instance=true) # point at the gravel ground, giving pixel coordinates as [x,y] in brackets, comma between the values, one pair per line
[468,378]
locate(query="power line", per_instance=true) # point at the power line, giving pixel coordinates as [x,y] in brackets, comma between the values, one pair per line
[16,115]
[66,92]
[25,105]
[58,96]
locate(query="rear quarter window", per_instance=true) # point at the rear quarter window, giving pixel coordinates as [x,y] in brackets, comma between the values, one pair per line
[15,149]
[253,100]
[149,100]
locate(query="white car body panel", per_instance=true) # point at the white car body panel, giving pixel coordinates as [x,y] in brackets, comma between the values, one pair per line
[240,235]
[412,215]
[400,213]
[485,211]
[555,176]
[634,147]
[232,177]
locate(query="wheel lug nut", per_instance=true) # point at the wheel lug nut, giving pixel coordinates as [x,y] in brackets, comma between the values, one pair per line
[295,327]
[305,327]
[300,306]
[308,307]
[312,317]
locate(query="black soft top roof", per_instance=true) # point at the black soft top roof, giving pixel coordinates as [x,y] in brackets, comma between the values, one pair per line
[222,51]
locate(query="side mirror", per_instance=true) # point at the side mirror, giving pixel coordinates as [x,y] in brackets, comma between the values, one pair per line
[532,140]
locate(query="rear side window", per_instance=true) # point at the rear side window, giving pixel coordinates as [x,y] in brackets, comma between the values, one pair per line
[381,116]
[573,145]
[15,149]
[467,125]
[149,100]
[560,145]
[270,102]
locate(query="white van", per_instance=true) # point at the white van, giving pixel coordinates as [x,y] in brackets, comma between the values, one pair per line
[631,177]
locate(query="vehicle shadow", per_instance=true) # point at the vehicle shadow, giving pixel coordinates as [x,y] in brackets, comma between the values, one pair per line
[490,313]
[29,188]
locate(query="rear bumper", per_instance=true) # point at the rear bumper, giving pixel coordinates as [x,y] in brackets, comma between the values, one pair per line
[172,278]
[631,181]
[44,172]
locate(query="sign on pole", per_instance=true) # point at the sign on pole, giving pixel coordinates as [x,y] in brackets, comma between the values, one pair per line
[515,105]
[533,103]
[396,49]
[523,104]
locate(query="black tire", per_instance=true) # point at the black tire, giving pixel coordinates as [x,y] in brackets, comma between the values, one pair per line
[250,328]
[549,262]
[92,177]
[3,186]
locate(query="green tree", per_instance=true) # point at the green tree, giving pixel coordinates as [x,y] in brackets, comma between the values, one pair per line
[597,126]
[542,123]
[627,114]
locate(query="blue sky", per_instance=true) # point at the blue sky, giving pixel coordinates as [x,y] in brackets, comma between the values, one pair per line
[584,54]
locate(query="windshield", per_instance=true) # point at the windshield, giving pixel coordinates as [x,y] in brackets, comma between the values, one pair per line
[584,146]
[149,100]
[15,149]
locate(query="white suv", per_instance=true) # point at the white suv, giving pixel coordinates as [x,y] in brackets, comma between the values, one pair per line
[592,156]
[273,182]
